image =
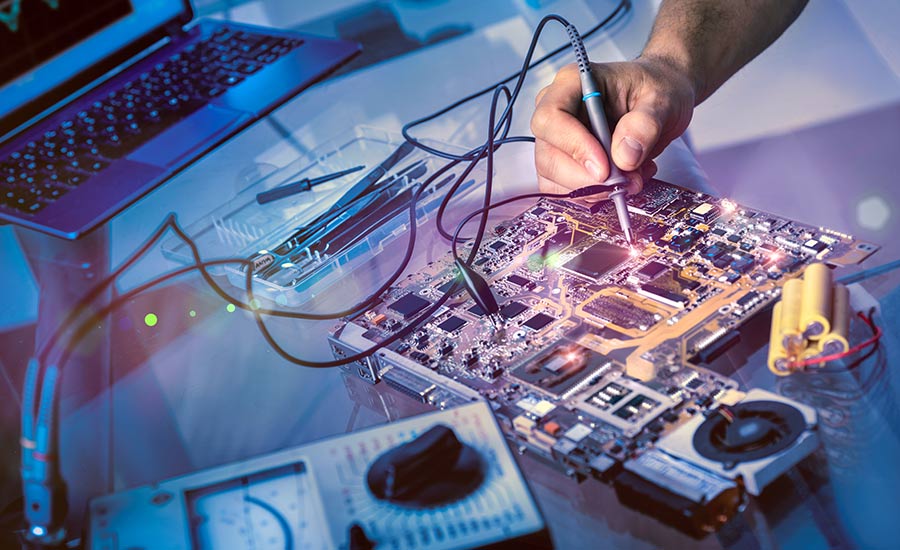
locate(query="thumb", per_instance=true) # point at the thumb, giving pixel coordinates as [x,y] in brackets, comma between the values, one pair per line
[635,136]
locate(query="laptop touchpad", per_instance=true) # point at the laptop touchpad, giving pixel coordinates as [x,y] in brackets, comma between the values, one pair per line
[197,131]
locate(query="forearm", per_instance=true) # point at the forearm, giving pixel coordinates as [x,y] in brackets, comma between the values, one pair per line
[710,40]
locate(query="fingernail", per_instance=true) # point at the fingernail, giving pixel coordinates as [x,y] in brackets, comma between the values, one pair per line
[630,151]
[593,169]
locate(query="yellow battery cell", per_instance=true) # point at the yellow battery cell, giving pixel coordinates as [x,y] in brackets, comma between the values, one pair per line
[815,310]
[791,304]
[836,340]
[778,359]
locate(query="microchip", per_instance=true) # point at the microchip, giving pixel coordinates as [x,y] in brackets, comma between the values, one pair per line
[694,383]
[538,211]
[409,305]
[476,310]
[539,321]
[598,260]
[650,271]
[813,246]
[718,232]
[518,280]
[705,212]
[497,245]
[748,298]
[512,309]
[452,324]
[734,238]
[559,367]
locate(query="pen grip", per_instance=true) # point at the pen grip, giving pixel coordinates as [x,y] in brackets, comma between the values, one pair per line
[283,191]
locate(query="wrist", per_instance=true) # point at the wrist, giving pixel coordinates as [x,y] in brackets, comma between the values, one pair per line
[680,67]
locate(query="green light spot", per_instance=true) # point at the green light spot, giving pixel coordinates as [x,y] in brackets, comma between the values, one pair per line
[192,313]
[230,308]
[151,319]
[254,304]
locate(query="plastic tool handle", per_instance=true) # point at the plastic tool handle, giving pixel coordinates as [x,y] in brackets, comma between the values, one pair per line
[593,103]
[283,191]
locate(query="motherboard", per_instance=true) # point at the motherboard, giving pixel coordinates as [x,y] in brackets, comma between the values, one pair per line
[597,361]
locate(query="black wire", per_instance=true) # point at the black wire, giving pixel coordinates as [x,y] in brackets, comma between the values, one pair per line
[495,128]
[95,292]
[620,9]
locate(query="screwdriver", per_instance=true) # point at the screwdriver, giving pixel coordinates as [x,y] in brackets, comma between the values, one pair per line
[593,103]
[305,184]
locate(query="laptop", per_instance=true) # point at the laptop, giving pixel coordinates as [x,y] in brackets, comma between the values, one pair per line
[103,100]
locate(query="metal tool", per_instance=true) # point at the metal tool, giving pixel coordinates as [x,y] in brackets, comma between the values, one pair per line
[290,189]
[617,181]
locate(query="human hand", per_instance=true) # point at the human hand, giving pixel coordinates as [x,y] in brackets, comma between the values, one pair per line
[649,103]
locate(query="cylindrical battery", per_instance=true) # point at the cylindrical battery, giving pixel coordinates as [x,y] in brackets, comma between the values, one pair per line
[778,359]
[791,304]
[836,340]
[815,310]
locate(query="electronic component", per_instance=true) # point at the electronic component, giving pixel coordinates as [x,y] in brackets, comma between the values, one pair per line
[755,440]
[539,321]
[559,368]
[705,212]
[597,261]
[663,296]
[409,305]
[815,309]
[778,357]
[452,324]
[518,280]
[512,309]
[791,300]
[626,404]
[836,340]
[650,271]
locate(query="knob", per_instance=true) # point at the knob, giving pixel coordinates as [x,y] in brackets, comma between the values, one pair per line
[435,468]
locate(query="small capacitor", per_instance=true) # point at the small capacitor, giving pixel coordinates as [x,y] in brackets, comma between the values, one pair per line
[791,305]
[815,311]
[836,340]
[778,359]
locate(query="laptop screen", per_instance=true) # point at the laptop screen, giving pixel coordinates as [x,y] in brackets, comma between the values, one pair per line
[46,42]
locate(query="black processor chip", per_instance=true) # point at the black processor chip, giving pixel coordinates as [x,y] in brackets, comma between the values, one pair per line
[409,305]
[476,310]
[539,321]
[512,309]
[452,324]
[651,271]
[598,260]
[517,280]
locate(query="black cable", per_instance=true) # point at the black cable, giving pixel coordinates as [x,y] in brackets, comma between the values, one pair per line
[620,9]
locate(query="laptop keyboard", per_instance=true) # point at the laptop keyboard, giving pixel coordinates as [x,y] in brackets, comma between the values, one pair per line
[128,117]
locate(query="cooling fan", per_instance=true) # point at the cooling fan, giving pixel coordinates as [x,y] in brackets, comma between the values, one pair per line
[757,439]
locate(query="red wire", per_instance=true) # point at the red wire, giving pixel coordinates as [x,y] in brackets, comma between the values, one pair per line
[876,335]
